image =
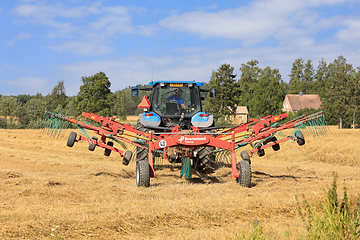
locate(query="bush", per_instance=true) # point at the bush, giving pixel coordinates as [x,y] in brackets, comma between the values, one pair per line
[331,219]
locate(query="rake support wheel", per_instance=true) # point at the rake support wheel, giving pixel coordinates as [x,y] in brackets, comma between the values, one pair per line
[107,152]
[275,147]
[245,156]
[245,174]
[261,152]
[92,145]
[142,173]
[71,139]
[127,157]
[300,138]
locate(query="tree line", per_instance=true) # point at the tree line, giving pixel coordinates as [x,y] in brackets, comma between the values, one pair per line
[261,90]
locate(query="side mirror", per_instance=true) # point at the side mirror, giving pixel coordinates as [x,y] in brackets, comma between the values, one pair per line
[135,91]
[212,92]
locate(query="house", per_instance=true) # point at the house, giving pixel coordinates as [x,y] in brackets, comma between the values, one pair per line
[295,102]
[241,114]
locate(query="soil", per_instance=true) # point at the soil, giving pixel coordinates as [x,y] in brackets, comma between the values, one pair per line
[51,191]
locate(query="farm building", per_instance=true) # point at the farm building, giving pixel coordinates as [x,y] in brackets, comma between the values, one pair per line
[241,114]
[296,102]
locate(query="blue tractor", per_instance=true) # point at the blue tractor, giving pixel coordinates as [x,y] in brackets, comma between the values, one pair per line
[177,104]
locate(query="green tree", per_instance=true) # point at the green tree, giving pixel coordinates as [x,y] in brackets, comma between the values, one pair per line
[223,80]
[321,78]
[95,95]
[296,76]
[338,89]
[269,94]
[121,104]
[57,98]
[250,73]
[262,90]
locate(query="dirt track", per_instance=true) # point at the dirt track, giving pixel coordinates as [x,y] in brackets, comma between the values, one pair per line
[50,191]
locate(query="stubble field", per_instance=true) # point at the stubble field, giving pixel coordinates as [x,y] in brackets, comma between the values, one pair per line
[51,191]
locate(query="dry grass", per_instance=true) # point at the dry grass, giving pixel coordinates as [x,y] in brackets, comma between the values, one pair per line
[50,191]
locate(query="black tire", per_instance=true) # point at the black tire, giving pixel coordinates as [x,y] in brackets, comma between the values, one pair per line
[107,152]
[71,139]
[92,145]
[127,157]
[141,153]
[142,173]
[261,152]
[245,174]
[300,138]
[205,161]
[245,156]
[275,147]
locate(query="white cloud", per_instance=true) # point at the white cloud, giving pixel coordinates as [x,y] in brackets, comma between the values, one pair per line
[17,69]
[29,85]
[255,22]
[21,36]
[350,35]
[82,48]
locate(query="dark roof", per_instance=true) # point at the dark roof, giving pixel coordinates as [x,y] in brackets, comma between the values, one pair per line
[298,102]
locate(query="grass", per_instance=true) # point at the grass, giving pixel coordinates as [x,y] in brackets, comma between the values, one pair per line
[90,196]
[332,218]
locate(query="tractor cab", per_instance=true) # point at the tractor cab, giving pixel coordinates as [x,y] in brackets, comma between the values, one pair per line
[174,103]
[173,99]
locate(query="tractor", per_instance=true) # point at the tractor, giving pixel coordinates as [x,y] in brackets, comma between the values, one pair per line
[177,104]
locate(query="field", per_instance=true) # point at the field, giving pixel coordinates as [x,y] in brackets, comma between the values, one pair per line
[51,191]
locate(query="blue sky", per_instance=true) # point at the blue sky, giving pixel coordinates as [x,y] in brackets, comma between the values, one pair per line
[43,42]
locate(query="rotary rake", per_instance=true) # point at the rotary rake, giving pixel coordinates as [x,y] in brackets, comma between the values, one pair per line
[258,133]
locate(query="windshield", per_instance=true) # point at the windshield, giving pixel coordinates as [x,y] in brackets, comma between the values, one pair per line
[173,99]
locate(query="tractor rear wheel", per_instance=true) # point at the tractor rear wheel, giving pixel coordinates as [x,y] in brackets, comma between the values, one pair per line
[142,173]
[71,139]
[92,145]
[300,138]
[205,162]
[107,152]
[245,174]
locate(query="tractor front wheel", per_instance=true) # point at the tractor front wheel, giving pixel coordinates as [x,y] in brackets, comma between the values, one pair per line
[245,174]
[205,162]
[142,173]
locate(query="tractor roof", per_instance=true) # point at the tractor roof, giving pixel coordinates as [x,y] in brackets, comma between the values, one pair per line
[154,83]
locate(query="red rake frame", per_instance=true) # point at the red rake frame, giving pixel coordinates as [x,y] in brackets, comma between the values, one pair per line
[257,130]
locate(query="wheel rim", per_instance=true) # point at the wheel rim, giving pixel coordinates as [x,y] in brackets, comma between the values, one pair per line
[137,175]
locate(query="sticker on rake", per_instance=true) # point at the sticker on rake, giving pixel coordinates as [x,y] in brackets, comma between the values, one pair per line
[192,140]
[162,143]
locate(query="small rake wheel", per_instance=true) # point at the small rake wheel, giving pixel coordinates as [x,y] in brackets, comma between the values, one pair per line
[275,147]
[142,173]
[261,152]
[92,145]
[245,174]
[127,157]
[300,138]
[107,152]
[71,139]
[245,156]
